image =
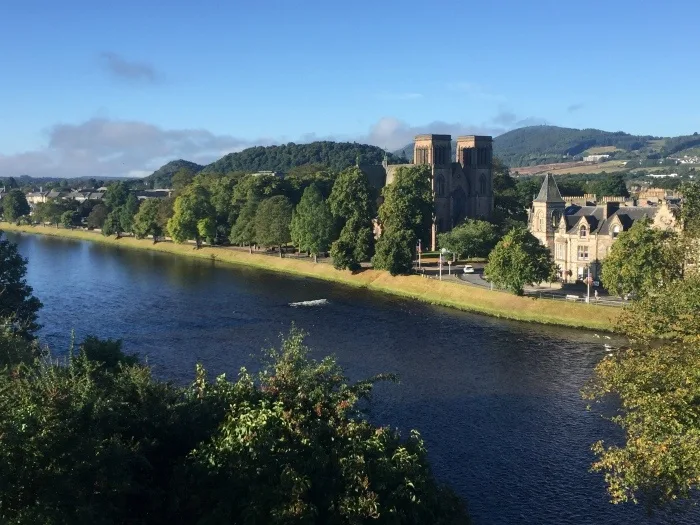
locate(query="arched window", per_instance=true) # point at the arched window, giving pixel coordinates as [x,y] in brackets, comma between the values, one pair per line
[483,186]
[556,217]
[440,186]
[582,232]
[615,231]
[539,222]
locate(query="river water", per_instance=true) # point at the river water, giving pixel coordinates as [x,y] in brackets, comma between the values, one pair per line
[497,402]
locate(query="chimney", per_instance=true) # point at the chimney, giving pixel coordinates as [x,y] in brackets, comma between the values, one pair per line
[609,208]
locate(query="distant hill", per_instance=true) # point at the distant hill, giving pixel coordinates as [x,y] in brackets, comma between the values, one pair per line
[534,145]
[336,155]
[162,177]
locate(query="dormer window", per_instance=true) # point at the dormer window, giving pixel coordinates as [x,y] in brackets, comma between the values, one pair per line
[615,231]
[582,232]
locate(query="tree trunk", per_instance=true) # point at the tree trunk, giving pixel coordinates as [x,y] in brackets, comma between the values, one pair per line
[315,257]
[280,251]
[250,248]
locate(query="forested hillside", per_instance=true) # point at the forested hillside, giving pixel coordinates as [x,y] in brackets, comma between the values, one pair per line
[162,177]
[335,155]
[534,145]
[544,144]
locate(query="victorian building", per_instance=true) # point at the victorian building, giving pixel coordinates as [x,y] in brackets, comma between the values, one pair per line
[580,236]
[462,188]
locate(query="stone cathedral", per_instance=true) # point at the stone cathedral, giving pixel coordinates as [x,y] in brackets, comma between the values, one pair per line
[462,188]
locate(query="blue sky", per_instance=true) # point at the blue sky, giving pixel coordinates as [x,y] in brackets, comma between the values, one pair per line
[89,88]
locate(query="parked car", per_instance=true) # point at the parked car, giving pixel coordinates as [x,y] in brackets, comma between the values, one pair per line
[468,268]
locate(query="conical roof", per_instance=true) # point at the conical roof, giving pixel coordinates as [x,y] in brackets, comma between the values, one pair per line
[549,192]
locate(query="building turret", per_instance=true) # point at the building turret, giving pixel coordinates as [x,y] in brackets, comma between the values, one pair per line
[547,210]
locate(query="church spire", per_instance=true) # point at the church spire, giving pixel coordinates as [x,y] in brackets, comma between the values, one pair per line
[549,192]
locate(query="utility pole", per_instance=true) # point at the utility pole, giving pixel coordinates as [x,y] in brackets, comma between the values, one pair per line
[588,285]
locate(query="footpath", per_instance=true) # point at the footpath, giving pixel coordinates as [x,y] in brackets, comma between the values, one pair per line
[444,293]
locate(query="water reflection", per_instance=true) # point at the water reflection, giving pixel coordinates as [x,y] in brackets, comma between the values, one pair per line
[497,402]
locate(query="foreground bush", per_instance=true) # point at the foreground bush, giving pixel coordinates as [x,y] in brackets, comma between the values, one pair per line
[98,440]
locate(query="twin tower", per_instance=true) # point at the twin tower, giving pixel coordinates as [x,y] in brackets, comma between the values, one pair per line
[463,187]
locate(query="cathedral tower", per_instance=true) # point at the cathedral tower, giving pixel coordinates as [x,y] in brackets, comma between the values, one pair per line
[475,155]
[435,151]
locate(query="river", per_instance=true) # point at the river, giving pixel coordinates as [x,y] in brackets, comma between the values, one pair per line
[497,402]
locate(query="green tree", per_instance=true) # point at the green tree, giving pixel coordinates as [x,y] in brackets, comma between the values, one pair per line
[49,211]
[408,203]
[166,209]
[690,211]
[191,207]
[243,230]
[116,195]
[69,219]
[657,390]
[406,215]
[113,223]
[128,211]
[352,204]
[351,196]
[182,178]
[146,221]
[97,216]
[17,304]
[108,443]
[355,244]
[508,201]
[640,260]
[395,252]
[473,238]
[519,259]
[669,312]
[14,206]
[272,222]
[312,223]
[612,185]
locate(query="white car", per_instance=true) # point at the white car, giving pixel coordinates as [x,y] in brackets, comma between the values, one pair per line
[468,268]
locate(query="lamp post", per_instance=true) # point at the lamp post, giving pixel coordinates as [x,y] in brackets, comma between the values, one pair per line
[588,284]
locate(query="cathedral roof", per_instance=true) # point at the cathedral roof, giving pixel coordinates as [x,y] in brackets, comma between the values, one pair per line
[549,192]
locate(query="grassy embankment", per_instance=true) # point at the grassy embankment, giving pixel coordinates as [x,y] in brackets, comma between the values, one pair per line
[445,293]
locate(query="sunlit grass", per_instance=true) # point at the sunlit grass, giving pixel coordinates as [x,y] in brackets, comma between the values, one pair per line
[445,293]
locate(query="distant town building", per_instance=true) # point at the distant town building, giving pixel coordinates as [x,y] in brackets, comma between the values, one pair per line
[153,194]
[595,158]
[277,174]
[580,236]
[663,175]
[462,188]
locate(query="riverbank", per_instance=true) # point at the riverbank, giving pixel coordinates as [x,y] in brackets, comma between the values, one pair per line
[444,293]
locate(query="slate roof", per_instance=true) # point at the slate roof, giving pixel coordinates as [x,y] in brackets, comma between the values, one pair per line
[595,217]
[549,192]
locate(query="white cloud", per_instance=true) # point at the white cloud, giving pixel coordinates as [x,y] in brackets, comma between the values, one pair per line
[103,147]
[118,148]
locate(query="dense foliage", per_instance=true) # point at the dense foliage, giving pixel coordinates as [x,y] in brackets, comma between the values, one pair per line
[473,238]
[98,440]
[352,205]
[519,259]
[641,260]
[163,176]
[272,221]
[336,156]
[312,223]
[14,205]
[18,307]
